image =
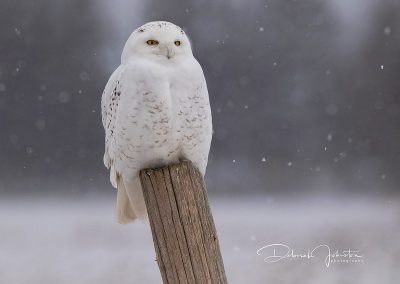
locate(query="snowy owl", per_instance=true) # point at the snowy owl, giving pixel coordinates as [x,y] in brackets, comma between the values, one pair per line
[155,111]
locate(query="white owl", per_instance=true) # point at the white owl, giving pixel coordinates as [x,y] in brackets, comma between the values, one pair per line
[155,111]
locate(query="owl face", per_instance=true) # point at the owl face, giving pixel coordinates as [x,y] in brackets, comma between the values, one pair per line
[160,41]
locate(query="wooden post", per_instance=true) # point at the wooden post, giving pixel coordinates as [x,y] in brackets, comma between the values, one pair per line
[184,234]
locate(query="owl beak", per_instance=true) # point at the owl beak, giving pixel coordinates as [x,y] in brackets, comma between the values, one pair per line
[169,52]
[166,50]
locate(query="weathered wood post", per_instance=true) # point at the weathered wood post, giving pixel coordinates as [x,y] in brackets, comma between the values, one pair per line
[184,234]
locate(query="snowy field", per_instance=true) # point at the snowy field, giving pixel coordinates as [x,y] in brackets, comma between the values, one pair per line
[77,241]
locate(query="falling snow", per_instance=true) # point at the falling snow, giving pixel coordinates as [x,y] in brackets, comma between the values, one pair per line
[64,97]
[84,76]
[331,109]
[40,124]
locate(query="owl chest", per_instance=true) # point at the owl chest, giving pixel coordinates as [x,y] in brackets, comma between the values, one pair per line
[165,112]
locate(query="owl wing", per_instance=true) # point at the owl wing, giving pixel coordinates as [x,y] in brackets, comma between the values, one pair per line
[197,120]
[109,109]
[205,116]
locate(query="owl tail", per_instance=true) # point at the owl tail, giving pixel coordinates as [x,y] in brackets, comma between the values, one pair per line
[135,194]
[125,213]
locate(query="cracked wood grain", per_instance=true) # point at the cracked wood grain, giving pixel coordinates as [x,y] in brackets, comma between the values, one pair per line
[184,235]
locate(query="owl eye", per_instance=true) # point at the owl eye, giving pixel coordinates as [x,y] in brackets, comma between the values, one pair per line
[152,42]
[177,42]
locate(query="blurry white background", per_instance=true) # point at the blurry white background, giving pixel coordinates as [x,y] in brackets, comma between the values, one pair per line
[77,241]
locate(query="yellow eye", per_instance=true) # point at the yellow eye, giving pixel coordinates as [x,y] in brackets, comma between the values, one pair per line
[177,42]
[152,42]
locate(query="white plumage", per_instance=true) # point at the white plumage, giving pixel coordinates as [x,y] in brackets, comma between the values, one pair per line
[155,111]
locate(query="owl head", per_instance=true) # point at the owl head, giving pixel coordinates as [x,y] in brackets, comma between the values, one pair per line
[160,40]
